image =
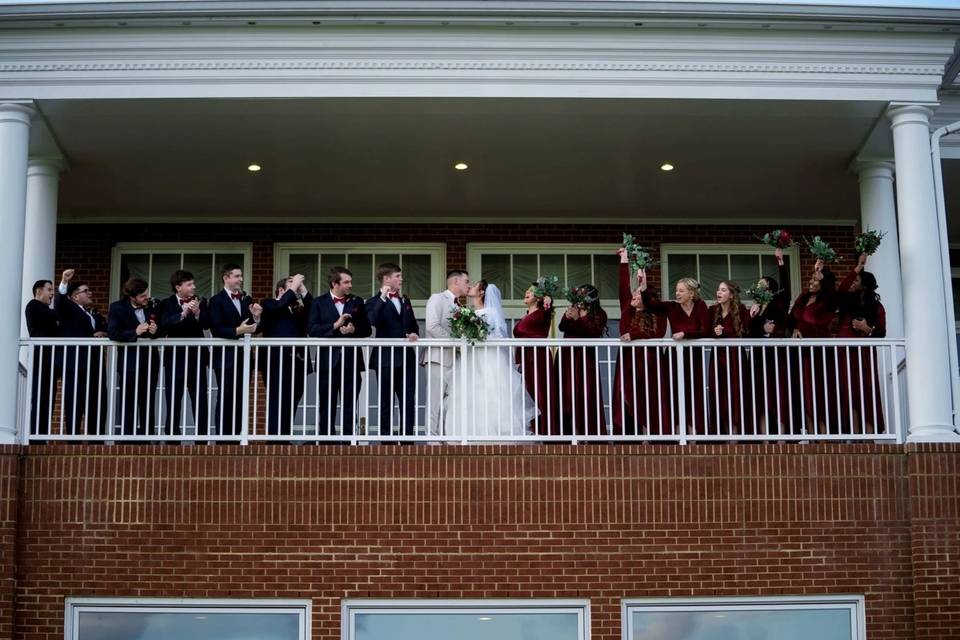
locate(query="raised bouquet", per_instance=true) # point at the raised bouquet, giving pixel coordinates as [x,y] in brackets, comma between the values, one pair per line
[821,250]
[547,286]
[760,294]
[579,296]
[778,239]
[639,256]
[466,324]
[868,242]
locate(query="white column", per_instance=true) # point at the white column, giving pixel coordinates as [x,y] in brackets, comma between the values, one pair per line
[878,212]
[40,233]
[929,387]
[14,146]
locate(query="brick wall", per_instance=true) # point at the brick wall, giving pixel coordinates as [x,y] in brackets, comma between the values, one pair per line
[88,247]
[596,522]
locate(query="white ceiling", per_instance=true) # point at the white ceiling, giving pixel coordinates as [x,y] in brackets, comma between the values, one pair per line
[392,159]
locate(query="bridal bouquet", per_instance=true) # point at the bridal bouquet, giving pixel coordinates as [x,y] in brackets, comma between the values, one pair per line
[640,257]
[579,296]
[868,242]
[778,239]
[466,324]
[547,286]
[821,250]
[760,294]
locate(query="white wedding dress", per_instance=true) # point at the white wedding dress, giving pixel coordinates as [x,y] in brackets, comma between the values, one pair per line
[487,397]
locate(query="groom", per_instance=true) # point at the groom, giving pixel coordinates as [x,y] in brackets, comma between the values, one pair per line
[439,360]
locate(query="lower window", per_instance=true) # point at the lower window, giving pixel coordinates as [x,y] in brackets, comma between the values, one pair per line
[163,619]
[466,620]
[783,618]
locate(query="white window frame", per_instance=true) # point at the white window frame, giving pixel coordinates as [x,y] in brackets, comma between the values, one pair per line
[76,606]
[351,607]
[436,250]
[512,308]
[851,602]
[756,249]
[156,248]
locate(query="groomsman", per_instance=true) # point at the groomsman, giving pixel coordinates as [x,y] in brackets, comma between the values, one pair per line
[391,314]
[84,385]
[129,320]
[232,315]
[184,315]
[439,361]
[42,322]
[338,314]
[285,368]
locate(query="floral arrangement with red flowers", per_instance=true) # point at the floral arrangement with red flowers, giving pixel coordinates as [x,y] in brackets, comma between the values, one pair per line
[580,296]
[467,325]
[778,239]
[760,294]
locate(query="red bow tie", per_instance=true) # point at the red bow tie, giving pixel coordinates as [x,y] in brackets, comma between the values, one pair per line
[236,296]
[337,300]
[183,302]
[394,294]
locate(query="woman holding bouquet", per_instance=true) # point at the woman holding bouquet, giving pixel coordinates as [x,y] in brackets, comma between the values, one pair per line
[768,319]
[689,320]
[536,363]
[730,319]
[812,315]
[861,316]
[581,403]
[639,398]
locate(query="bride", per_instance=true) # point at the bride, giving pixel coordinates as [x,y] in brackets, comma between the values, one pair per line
[487,396]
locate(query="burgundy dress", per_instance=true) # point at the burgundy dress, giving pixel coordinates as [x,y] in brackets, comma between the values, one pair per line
[769,364]
[539,370]
[581,403]
[642,384]
[696,325]
[816,400]
[861,403]
[729,397]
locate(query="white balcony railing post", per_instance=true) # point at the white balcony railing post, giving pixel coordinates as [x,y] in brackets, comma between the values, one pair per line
[679,380]
[245,390]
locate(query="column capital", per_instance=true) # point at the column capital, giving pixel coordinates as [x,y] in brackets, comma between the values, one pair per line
[866,169]
[17,112]
[46,165]
[910,114]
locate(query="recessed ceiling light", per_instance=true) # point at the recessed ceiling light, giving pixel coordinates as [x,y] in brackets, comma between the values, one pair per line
[461,166]
[254,168]
[666,166]
[484,618]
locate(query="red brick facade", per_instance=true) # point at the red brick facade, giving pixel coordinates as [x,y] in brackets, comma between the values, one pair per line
[596,522]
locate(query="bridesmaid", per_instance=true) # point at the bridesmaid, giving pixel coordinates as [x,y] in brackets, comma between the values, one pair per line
[730,319]
[638,389]
[861,316]
[770,363]
[536,363]
[812,315]
[689,320]
[581,401]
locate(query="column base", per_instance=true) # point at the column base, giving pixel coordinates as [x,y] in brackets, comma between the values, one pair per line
[933,433]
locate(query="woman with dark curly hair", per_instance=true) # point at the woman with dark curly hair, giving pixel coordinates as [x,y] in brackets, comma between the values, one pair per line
[770,382]
[536,363]
[581,400]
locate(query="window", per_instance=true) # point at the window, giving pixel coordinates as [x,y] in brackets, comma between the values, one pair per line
[786,618]
[513,267]
[709,264]
[156,261]
[466,620]
[423,265]
[162,619]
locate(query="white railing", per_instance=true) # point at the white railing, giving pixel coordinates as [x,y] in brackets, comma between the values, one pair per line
[355,391]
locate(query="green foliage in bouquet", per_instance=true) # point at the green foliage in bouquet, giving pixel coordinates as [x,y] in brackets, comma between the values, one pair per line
[579,296]
[547,286]
[639,256]
[868,242]
[821,250]
[778,239]
[760,294]
[466,324]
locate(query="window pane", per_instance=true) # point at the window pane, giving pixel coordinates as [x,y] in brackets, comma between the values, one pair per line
[327,262]
[744,270]
[416,276]
[578,270]
[551,265]
[467,626]
[607,274]
[380,258]
[129,625]
[201,266]
[713,269]
[784,624]
[132,265]
[524,272]
[306,263]
[495,268]
[164,264]
[681,265]
[361,265]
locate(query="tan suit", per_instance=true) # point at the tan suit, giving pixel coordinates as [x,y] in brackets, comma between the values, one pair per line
[438,360]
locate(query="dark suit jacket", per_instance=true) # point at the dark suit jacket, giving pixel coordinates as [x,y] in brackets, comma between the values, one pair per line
[173,326]
[224,321]
[389,323]
[323,315]
[42,321]
[122,322]
[74,321]
[282,319]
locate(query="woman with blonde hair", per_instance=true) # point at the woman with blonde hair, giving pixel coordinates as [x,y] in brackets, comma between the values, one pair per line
[730,319]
